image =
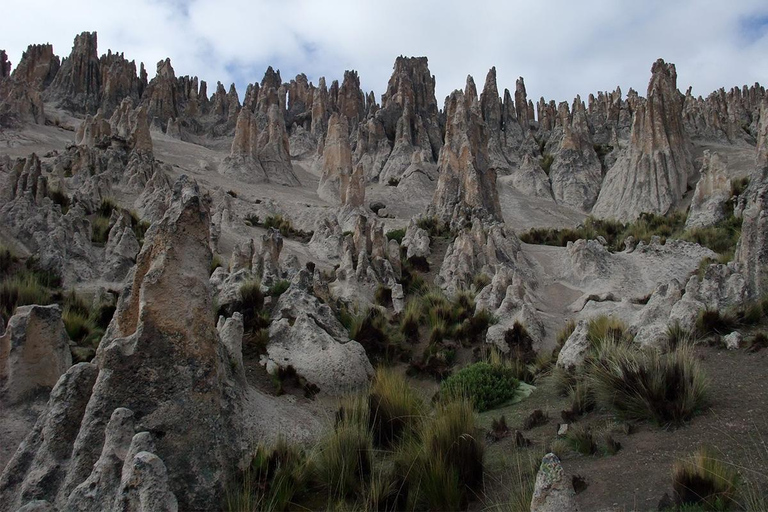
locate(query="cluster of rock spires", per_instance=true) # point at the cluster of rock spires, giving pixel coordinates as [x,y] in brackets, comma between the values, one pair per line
[579,156]
[116,434]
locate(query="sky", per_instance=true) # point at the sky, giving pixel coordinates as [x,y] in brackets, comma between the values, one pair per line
[561,47]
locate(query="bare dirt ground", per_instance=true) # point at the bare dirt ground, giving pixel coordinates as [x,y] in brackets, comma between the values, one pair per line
[735,425]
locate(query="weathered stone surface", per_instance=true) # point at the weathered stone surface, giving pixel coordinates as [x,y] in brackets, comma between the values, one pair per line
[529,178]
[721,287]
[77,84]
[38,66]
[576,173]
[653,173]
[752,250]
[553,491]
[337,161]
[576,347]
[416,241]
[34,351]
[712,192]
[467,186]
[306,336]
[260,151]
[39,465]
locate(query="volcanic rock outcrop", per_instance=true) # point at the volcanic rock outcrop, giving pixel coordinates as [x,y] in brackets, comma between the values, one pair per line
[161,358]
[467,185]
[260,150]
[34,351]
[575,172]
[653,174]
[713,190]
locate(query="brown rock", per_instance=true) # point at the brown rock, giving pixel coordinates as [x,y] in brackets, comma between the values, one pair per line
[77,85]
[337,161]
[467,186]
[34,351]
[38,66]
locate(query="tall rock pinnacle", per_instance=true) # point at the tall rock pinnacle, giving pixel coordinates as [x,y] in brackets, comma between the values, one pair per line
[466,187]
[652,175]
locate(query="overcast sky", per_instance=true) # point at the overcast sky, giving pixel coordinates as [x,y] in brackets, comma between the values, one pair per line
[561,47]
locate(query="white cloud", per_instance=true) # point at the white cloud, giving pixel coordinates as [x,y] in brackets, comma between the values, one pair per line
[561,47]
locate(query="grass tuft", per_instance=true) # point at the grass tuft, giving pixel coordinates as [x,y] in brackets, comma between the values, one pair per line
[703,479]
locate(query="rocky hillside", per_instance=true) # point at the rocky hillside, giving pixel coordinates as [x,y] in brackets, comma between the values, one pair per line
[192,283]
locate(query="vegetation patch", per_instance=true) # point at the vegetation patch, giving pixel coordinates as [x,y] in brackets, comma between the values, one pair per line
[396,235]
[486,386]
[704,480]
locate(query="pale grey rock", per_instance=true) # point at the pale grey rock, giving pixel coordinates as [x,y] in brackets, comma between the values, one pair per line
[752,250]
[576,348]
[733,341]
[529,178]
[712,192]
[722,287]
[34,351]
[576,173]
[416,241]
[553,491]
[653,174]
[40,463]
[231,335]
[306,336]
[652,323]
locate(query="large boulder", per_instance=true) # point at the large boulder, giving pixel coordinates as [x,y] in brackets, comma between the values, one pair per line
[553,491]
[712,192]
[34,351]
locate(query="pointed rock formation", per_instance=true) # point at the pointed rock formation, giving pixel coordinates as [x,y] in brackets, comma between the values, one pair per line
[5,65]
[752,250]
[34,351]
[491,107]
[77,85]
[575,172]
[118,81]
[260,151]
[38,66]
[467,185]
[162,358]
[712,192]
[337,161]
[653,174]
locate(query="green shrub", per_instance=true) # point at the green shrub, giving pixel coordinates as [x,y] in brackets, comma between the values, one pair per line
[480,281]
[100,230]
[81,327]
[410,320]
[647,385]
[581,439]
[379,339]
[60,198]
[397,235]
[487,386]
[343,459]
[394,409]
[22,289]
[269,483]
[393,182]
[433,226]
[721,238]
[7,259]
[712,321]
[472,329]
[216,262]
[106,207]
[252,219]
[703,479]
[546,163]
[383,296]
[278,288]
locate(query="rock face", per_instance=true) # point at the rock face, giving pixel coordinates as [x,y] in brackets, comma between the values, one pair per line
[34,351]
[161,358]
[38,66]
[712,192]
[260,151]
[306,336]
[467,185]
[553,491]
[576,173]
[337,161]
[653,173]
[78,82]
[752,251]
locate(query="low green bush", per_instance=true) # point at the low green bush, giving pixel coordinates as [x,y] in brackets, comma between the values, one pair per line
[397,235]
[486,386]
